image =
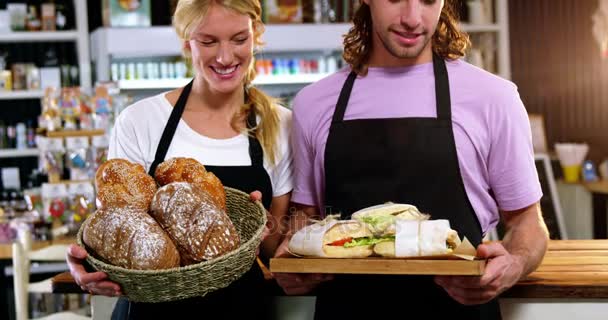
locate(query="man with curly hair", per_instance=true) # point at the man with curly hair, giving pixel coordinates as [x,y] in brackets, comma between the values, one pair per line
[409,121]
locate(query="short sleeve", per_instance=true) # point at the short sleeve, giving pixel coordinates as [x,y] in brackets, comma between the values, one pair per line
[511,165]
[282,173]
[123,141]
[303,159]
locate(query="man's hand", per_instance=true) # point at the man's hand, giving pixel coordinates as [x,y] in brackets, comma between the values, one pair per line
[502,272]
[520,253]
[93,282]
[296,283]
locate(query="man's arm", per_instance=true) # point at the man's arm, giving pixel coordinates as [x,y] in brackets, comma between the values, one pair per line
[520,253]
[526,237]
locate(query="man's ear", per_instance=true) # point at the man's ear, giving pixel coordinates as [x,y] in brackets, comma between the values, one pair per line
[366,2]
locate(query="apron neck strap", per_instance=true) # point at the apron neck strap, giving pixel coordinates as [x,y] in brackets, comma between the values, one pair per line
[256,153]
[442,89]
[170,128]
[442,92]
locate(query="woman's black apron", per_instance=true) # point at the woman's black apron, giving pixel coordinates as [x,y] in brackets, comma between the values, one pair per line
[250,295]
[405,160]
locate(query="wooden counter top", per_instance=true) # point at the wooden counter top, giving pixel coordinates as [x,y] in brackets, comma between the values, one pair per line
[597,187]
[573,269]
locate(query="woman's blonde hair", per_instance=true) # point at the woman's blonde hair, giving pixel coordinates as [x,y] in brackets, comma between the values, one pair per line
[449,42]
[188,15]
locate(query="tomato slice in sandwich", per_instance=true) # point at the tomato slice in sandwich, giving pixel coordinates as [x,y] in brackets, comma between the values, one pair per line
[341,242]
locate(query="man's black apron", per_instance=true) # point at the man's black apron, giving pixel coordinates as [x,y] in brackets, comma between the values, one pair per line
[404,160]
[249,295]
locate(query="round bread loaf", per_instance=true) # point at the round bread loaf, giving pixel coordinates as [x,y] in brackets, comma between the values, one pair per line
[199,228]
[130,238]
[191,171]
[121,183]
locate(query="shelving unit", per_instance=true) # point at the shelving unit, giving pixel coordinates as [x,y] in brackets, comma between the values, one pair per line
[154,84]
[161,41]
[23,94]
[17,153]
[80,35]
[81,38]
[39,36]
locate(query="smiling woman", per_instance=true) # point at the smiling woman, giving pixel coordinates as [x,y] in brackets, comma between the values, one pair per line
[235,130]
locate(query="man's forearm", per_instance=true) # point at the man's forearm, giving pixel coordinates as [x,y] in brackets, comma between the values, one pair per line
[526,237]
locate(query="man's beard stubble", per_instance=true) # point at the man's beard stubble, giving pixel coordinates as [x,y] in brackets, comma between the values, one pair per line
[400,52]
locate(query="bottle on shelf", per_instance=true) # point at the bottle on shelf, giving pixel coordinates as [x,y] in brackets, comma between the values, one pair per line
[33,22]
[47,11]
[6,78]
[3,137]
[21,137]
[31,135]
[11,137]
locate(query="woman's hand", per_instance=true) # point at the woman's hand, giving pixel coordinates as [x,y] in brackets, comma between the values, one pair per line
[257,196]
[92,282]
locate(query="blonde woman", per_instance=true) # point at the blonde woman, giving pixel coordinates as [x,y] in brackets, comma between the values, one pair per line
[234,129]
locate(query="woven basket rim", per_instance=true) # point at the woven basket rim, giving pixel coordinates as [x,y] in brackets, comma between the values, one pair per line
[202,264]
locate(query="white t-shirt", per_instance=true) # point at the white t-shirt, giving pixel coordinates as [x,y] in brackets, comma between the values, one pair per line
[139,127]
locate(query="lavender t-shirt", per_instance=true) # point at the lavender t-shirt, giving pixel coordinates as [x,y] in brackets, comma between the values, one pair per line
[490,123]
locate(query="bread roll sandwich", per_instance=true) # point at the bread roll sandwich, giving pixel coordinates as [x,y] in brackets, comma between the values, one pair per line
[334,239]
[121,183]
[199,228]
[129,238]
[380,219]
[191,171]
[417,238]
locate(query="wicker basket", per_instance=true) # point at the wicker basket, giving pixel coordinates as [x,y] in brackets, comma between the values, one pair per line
[248,217]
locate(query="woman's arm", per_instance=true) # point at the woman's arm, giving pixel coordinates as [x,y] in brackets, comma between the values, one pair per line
[276,221]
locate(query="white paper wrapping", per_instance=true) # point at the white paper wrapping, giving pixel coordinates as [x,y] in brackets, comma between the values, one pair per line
[406,238]
[433,236]
[308,241]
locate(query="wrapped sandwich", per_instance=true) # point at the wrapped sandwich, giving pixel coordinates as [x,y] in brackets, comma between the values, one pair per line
[381,219]
[419,238]
[335,239]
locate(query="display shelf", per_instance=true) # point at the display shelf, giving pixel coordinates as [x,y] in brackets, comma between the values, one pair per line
[471,28]
[39,36]
[151,84]
[72,133]
[17,153]
[22,94]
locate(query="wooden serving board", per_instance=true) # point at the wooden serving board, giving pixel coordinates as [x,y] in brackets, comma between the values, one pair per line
[378,266]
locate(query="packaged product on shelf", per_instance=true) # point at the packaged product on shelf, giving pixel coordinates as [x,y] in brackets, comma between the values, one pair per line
[19,71]
[50,119]
[33,77]
[21,139]
[48,16]
[55,203]
[99,151]
[51,157]
[33,21]
[283,11]
[81,204]
[102,106]
[77,149]
[6,81]
[18,14]
[69,104]
[11,137]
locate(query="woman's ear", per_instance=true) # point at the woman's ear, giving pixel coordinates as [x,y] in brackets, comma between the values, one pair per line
[186,45]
